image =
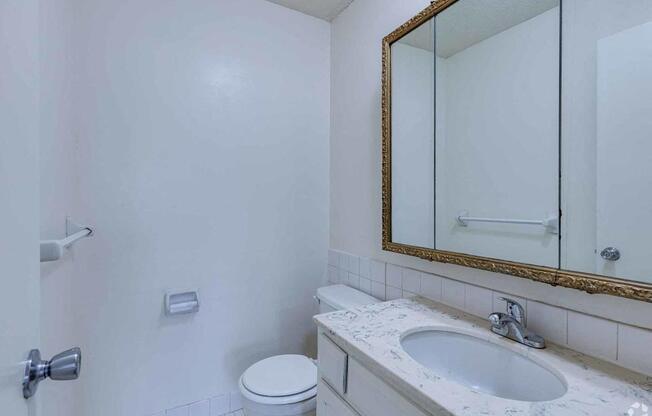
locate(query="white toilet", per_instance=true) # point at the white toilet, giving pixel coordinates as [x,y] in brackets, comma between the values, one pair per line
[286,385]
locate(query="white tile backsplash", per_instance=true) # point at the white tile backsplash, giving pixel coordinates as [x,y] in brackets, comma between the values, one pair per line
[452,293]
[411,280]
[619,343]
[378,290]
[365,285]
[333,275]
[219,405]
[394,276]
[592,335]
[178,411]
[235,401]
[478,301]
[548,321]
[343,276]
[222,405]
[365,268]
[343,261]
[354,281]
[354,265]
[431,287]
[377,269]
[200,408]
[635,348]
[394,293]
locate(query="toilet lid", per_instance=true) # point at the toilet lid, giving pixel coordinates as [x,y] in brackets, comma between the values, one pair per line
[282,375]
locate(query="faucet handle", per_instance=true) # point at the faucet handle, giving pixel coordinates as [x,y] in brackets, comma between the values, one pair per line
[498,323]
[516,310]
[496,318]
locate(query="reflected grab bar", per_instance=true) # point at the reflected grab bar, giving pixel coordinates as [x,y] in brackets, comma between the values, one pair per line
[550,224]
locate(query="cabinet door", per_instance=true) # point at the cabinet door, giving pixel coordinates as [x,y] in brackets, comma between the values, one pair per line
[332,363]
[330,404]
[373,397]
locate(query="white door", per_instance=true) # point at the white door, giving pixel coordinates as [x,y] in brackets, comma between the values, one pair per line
[19,255]
[624,152]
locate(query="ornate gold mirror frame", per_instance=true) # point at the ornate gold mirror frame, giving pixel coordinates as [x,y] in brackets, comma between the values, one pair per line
[587,282]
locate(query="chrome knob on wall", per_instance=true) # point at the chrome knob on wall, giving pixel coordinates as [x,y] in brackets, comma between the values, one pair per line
[610,254]
[63,366]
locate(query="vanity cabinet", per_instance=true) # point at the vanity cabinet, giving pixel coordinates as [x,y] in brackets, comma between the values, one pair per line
[333,364]
[347,388]
[330,403]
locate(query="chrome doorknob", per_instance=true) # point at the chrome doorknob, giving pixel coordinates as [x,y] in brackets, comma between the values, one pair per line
[66,365]
[63,366]
[610,254]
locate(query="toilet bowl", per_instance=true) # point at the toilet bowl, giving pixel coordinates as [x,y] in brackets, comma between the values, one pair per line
[286,385]
[283,385]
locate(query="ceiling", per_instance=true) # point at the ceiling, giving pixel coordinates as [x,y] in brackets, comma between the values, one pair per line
[423,37]
[323,9]
[471,21]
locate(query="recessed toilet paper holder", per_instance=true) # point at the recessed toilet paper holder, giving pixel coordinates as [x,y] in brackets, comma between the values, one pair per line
[181,303]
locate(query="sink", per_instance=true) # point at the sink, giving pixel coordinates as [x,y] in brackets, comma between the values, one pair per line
[483,366]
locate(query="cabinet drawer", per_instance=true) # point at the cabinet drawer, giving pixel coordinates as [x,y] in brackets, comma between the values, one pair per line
[330,404]
[333,363]
[372,397]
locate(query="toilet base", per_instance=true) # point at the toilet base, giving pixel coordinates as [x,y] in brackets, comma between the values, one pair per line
[304,408]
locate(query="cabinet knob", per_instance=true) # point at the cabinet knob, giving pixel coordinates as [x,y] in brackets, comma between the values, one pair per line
[610,254]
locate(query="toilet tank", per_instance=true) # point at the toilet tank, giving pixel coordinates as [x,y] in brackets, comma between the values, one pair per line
[339,297]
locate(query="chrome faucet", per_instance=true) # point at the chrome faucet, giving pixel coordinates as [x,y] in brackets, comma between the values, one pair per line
[513,325]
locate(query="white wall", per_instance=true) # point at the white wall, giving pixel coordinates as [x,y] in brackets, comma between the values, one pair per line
[199,136]
[510,117]
[356,165]
[355,123]
[58,192]
[19,276]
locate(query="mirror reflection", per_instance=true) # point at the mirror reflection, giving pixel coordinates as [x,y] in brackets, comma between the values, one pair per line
[413,140]
[607,138]
[497,130]
[506,145]
[475,131]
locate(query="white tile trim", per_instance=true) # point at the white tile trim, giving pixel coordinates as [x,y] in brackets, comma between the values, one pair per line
[227,404]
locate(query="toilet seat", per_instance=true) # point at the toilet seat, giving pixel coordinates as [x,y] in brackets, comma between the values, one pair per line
[297,398]
[279,380]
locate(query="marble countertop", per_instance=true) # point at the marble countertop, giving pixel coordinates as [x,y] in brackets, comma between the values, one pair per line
[372,334]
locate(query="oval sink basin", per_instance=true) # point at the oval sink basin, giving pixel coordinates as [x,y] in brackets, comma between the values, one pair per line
[483,366]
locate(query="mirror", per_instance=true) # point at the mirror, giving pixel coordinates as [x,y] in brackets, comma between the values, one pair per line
[498,130]
[607,138]
[413,123]
[508,149]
